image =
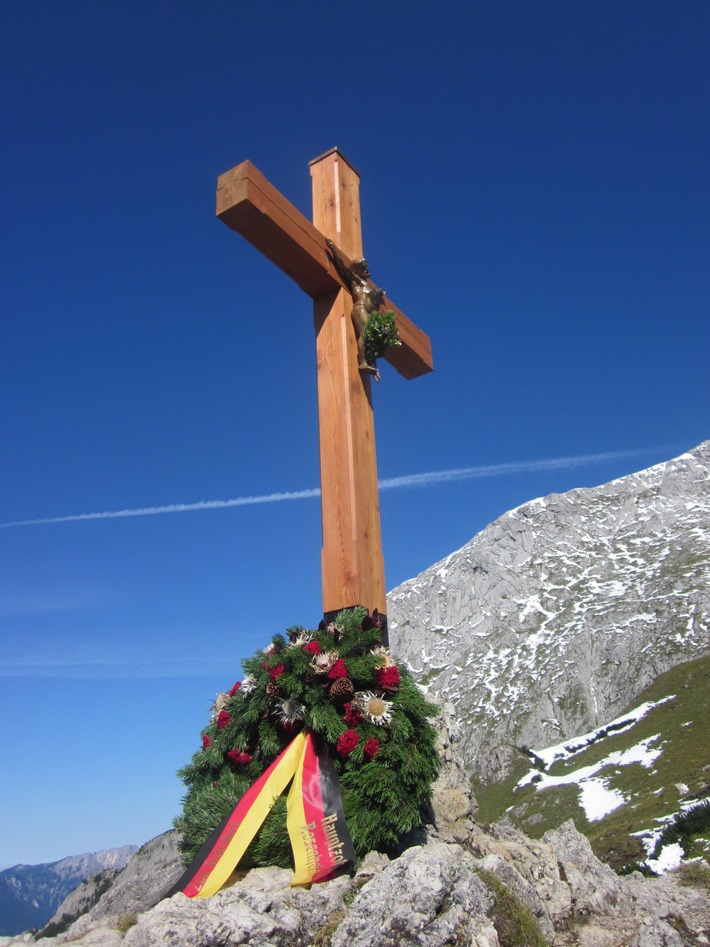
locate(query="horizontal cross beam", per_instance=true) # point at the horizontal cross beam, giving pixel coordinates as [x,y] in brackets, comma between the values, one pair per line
[248,204]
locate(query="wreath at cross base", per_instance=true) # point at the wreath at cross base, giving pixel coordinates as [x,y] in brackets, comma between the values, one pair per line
[341,685]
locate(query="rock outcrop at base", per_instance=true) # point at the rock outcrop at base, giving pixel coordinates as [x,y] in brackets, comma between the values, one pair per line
[458,883]
[496,888]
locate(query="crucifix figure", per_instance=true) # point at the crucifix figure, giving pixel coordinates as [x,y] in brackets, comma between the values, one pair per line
[366,300]
[318,257]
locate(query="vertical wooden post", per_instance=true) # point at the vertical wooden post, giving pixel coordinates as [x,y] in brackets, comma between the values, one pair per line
[352,561]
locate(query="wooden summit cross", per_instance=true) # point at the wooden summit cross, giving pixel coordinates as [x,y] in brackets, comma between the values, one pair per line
[352,562]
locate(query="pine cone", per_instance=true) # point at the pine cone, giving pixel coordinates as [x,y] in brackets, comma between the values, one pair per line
[271,689]
[341,689]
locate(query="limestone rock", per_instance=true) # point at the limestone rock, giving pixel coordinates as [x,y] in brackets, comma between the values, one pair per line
[261,910]
[144,880]
[430,895]
[664,898]
[594,887]
[452,800]
[657,933]
[433,894]
[555,617]
[529,867]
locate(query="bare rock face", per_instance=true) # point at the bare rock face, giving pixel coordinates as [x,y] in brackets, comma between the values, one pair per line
[430,895]
[261,910]
[144,880]
[452,800]
[594,887]
[491,887]
[498,887]
[552,620]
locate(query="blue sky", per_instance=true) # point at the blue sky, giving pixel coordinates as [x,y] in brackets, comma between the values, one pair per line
[534,195]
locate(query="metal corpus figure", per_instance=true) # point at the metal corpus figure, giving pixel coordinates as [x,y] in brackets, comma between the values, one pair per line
[367,298]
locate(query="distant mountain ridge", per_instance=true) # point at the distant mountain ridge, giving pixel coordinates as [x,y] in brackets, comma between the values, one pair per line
[30,894]
[557,615]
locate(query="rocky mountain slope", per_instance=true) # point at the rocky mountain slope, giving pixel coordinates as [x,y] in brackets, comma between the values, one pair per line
[553,619]
[140,885]
[496,888]
[29,894]
[458,883]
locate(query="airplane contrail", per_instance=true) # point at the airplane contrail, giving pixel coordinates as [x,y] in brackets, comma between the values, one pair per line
[171,508]
[499,470]
[409,480]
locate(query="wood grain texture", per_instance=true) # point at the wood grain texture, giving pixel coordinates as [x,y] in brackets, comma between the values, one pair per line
[352,562]
[414,356]
[248,204]
[251,206]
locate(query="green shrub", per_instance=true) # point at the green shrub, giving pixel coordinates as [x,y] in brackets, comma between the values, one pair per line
[684,827]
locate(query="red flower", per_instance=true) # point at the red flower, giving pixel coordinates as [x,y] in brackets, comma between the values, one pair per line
[276,672]
[338,670]
[347,742]
[235,688]
[388,677]
[313,647]
[206,741]
[371,747]
[223,720]
[239,757]
[352,715]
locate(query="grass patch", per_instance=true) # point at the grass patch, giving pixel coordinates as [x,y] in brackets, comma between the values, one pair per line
[431,675]
[537,811]
[695,874]
[534,812]
[655,793]
[126,922]
[494,798]
[630,867]
[324,934]
[512,919]
[620,850]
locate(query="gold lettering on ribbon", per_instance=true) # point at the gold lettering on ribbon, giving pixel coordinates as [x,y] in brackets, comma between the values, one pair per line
[333,840]
[313,859]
